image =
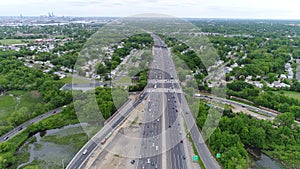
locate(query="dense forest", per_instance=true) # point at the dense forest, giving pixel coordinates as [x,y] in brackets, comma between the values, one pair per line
[237,132]
[16,76]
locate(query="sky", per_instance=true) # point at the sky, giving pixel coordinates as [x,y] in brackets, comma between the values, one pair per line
[261,9]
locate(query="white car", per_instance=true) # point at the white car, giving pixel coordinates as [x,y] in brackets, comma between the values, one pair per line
[84,152]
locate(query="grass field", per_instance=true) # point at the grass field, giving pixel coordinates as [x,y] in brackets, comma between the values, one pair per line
[9,104]
[123,80]
[295,95]
[74,80]
[74,140]
[10,41]
[7,101]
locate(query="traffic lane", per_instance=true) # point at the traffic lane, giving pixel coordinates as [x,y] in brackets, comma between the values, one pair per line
[156,74]
[199,132]
[172,113]
[123,118]
[179,162]
[177,149]
[81,159]
[171,108]
[205,154]
[149,153]
[159,73]
[23,126]
[171,119]
[167,135]
[163,85]
[155,129]
[151,130]
[105,130]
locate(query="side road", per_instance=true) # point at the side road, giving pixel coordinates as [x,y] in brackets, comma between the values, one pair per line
[19,128]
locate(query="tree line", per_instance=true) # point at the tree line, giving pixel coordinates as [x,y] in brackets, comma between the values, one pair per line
[237,132]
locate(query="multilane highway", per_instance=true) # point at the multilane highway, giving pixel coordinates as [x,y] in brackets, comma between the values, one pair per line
[205,155]
[162,113]
[164,143]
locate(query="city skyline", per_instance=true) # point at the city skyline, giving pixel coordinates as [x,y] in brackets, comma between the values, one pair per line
[188,9]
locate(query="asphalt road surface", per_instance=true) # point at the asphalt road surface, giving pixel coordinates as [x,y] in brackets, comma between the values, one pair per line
[83,154]
[23,126]
[164,113]
[178,161]
[251,108]
[149,156]
[162,108]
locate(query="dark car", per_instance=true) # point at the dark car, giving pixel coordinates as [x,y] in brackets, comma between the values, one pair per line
[20,128]
[132,161]
[53,112]
[183,157]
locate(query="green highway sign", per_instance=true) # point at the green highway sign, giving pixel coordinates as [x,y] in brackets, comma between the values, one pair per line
[195,158]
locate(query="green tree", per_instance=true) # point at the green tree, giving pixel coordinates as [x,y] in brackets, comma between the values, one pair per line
[257,137]
[272,77]
[285,119]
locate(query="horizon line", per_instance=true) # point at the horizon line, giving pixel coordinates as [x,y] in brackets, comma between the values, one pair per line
[230,18]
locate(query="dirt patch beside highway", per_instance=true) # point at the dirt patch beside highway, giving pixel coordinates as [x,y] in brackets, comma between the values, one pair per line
[122,147]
